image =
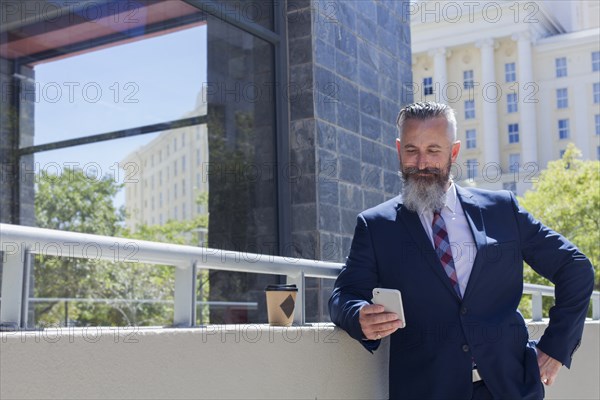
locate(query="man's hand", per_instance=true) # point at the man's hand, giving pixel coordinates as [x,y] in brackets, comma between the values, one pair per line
[549,367]
[377,324]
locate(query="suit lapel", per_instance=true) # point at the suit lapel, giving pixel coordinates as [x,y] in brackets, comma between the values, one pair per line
[475,220]
[413,225]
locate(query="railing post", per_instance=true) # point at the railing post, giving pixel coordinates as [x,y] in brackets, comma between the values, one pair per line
[14,263]
[596,306]
[536,306]
[299,313]
[185,296]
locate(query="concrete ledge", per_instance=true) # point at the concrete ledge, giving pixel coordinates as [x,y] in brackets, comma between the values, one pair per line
[224,362]
[216,362]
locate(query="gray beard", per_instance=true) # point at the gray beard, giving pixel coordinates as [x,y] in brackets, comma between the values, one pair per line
[421,194]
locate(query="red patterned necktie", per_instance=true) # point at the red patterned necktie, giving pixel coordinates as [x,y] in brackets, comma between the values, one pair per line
[442,248]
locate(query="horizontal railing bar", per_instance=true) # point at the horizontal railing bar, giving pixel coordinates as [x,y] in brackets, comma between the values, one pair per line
[248,304]
[83,245]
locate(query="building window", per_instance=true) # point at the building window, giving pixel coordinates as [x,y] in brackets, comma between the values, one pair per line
[183,164]
[513,133]
[597,123]
[469,109]
[472,168]
[596,61]
[562,98]
[563,128]
[174,190]
[175,212]
[175,168]
[597,92]
[427,86]
[598,153]
[471,138]
[183,211]
[511,103]
[183,187]
[514,161]
[174,144]
[160,199]
[468,79]
[561,67]
[510,72]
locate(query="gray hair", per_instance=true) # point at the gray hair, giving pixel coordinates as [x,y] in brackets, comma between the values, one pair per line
[427,110]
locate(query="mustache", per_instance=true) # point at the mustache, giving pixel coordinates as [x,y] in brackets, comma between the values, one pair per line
[410,171]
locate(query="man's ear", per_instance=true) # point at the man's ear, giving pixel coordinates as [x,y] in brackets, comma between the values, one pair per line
[398,147]
[455,150]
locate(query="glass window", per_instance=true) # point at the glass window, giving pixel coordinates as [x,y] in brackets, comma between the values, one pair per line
[471,135]
[472,168]
[513,133]
[596,92]
[597,123]
[510,72]
[562,98]
[469,109]
[596,61]
[561,153]
[427,86]
[514,162]
[598,153]
[511,103]
[563,128]
[512,186]
[468,79]
[561,66]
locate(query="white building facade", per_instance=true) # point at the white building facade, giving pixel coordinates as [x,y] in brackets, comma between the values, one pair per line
[524,78]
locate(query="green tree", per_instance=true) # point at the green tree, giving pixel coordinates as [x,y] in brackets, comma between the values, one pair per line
[74,202]
[566,198]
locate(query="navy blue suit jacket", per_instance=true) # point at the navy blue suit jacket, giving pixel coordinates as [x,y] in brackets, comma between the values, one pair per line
[432,357]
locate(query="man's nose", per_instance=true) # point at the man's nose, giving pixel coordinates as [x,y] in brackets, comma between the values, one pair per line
[422,162]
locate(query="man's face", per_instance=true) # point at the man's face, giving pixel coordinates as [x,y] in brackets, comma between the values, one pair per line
[425,151]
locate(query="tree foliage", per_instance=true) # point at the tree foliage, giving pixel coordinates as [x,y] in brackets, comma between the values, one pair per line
[566,198]
[75,202]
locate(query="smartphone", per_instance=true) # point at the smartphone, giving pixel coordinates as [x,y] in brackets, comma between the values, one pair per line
[391,300]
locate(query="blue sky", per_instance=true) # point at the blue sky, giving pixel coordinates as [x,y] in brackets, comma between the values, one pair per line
[140,83]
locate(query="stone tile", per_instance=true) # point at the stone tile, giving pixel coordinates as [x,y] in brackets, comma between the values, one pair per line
[328,192]
[350,170]
[369,104]
[300,50]
[368,54]
[301,105]
[372,176]
[348,143]
[330,245]
[302,163]
[391,182]
[329,218]
[304,217]
[302,133]
[326,136]
[367,30]
[298,25]
[370,127]
[368,77]
[350,196]
[348,117]
[371,152]
[304,190]
[372,198]
[347,92]
[348,220]
[346,41]
[346,65]
[324,54]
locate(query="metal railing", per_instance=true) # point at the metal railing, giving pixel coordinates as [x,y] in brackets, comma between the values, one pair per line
[19,243]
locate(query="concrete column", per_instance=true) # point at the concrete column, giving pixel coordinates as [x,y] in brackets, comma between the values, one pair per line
[527,86]
[579,124]
[440,78]
[491,150]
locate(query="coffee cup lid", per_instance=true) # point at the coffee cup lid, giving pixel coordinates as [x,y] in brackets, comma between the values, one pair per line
[282,288]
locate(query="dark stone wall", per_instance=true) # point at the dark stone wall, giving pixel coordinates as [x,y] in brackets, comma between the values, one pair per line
[350,66]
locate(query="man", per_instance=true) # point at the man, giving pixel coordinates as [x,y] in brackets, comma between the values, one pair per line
[456,255]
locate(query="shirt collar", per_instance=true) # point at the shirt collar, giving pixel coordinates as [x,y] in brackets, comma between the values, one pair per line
[450,201]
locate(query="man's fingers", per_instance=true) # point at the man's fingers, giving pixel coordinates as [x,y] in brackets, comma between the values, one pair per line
[371,309]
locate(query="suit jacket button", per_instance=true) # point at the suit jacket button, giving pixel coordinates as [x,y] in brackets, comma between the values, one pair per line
[463,310]
[465,348]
